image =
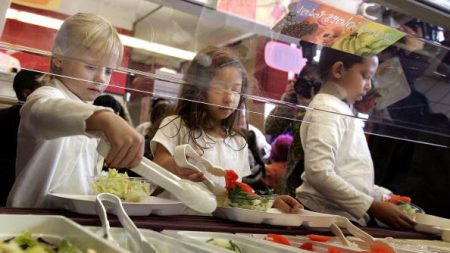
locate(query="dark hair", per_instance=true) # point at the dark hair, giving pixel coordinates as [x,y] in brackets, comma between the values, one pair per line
[329,56]
[159,110]
[306,81]
[25,80]
[157,100]
[192,107]
[111,102]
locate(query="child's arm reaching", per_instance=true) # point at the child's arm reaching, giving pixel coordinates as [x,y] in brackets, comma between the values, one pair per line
[390,214]
[165,159]
[287,204]
[127,145]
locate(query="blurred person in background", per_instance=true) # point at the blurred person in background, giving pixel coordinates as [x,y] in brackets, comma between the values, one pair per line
[160,109]
[25,82]
[278,160]
[286,120]
[143,128]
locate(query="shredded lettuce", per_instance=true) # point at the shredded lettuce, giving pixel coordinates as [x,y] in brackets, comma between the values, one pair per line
[25,243]
[225,244]
[124,187]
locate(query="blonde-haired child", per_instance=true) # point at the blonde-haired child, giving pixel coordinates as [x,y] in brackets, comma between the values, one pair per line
[58,129]
[206,117]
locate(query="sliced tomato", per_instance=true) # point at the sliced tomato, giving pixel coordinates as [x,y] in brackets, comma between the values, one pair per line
[318,238]
[306,246]
[246,188]
[277,238]
[334,250]
[230,178]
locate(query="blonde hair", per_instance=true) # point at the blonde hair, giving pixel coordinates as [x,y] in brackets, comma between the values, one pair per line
[81,33]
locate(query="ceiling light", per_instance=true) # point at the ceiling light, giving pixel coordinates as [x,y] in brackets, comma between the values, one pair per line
[168,70]
[53,23]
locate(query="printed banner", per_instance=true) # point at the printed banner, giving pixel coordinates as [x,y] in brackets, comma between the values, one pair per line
[40,4]
[327,26]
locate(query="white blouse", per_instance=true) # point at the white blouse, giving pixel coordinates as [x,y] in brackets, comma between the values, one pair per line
[229,153]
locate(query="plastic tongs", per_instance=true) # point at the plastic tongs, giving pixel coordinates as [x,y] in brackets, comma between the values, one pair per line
[181,155]
[108,202]
[357,232]
[188,192]
[335,223]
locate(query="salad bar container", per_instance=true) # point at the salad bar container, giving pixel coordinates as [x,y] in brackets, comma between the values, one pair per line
[54,229]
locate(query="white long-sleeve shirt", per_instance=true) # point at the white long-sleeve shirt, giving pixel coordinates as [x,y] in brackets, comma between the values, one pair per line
[339,174]
[54,152]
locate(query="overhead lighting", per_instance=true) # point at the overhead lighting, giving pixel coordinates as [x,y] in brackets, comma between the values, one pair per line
[168,70]
[156,47]
[34,19]
[53,23]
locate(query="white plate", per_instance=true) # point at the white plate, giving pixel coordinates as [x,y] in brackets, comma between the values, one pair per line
[85,204]
[163,243]
[246,244]
[275,217]
[55,229]
[433,224]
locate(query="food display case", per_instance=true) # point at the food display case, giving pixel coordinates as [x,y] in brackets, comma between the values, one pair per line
[405,114]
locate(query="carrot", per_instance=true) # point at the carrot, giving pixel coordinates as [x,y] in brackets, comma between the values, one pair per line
[306,246]
[334,250]
[380,248]
[277,238]
[395,199]
[318,238]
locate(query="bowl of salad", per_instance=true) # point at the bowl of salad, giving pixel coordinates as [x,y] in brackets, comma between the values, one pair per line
[242,195]
[129,189]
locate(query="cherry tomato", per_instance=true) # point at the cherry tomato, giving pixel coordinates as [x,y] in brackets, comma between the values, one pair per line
[230,178]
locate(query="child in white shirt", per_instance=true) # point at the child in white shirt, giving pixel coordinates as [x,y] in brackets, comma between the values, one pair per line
[56,142]
[206,117]
[339,174]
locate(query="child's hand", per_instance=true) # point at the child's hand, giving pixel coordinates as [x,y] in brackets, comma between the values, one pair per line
[391,215]
[287,204]
[163,158]
[127,145]
[189,174]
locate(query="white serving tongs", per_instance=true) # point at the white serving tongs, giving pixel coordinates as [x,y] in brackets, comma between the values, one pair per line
[181,155]
[188,192]
[368,240]
[106,202]
[335,223]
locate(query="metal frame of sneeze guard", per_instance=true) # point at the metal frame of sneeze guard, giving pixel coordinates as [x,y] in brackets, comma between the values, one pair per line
[188,192]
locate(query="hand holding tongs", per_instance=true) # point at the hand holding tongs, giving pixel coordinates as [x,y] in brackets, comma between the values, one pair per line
[181,155]
[188,192]
[114,205]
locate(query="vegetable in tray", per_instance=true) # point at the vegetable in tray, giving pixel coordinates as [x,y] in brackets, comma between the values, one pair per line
[25,243]
[127,188]
[243,196]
